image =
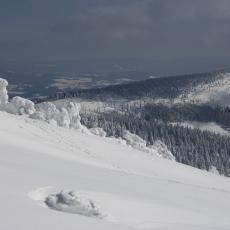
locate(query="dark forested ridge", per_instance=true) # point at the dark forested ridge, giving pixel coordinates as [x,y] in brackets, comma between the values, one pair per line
[163,87]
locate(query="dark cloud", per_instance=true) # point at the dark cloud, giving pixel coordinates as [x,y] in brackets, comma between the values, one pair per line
[152,29]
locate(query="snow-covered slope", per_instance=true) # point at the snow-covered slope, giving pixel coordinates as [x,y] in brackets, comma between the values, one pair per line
[215,92]
[114,186]
[204,126]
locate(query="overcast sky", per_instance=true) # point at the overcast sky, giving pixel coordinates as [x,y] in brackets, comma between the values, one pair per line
[97,29]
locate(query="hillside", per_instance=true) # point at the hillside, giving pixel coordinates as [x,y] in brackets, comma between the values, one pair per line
[57,174]
[149,108]
[132,190]
[179,88]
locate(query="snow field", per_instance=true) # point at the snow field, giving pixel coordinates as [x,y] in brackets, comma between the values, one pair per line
[135,190]
[114,186]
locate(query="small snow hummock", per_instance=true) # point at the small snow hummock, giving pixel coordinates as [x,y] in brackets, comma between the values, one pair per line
[73,202]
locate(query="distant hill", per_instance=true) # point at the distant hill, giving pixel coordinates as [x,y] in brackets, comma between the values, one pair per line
[171,87]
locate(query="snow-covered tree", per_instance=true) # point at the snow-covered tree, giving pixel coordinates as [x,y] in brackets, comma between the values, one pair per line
[17,105]
[3,93]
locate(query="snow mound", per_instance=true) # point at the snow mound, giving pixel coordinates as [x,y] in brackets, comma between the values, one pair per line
[73,202]
[158,148]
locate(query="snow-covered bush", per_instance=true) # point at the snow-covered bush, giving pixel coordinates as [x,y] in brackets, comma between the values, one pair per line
[45,111]
[75,119]
[17,105]
[63,118]
[134,141]
[20,106]
[213,170]
[158,148]
[3,93]
[67,116]
[162,150]
[73,202]
[98,132]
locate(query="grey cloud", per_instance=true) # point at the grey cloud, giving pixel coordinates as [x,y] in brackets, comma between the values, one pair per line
[135,29]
